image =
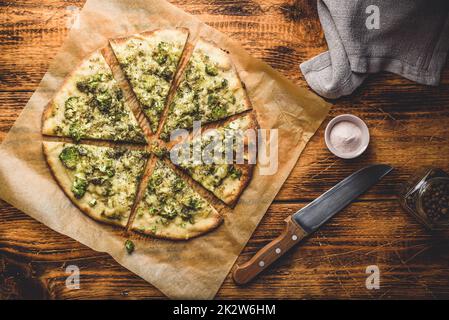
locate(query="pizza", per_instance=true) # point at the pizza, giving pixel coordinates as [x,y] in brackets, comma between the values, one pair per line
[119,174]
[210,90]
[225,178]
[101,181]
[149,61]
[171,209]
[90,105]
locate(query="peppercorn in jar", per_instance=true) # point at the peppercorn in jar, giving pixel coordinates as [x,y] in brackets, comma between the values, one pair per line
[426,196]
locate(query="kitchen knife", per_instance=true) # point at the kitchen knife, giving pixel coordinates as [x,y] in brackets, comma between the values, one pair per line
[310,218]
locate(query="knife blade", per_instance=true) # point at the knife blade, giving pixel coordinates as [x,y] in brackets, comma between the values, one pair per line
[308,219]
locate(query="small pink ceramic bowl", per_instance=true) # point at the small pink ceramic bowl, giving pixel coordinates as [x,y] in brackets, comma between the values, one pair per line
[364,139]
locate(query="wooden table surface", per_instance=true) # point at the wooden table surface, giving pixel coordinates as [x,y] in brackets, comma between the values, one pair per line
[409,128]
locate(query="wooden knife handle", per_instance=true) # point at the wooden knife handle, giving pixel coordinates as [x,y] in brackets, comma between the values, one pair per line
[291,235]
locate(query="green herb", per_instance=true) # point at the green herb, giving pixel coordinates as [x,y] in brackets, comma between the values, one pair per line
[159,151]
[161,55]
[224,83]
[235,173]
[167,74]
[110,172]
[93,202]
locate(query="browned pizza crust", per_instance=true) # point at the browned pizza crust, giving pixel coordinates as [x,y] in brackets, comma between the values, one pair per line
[247,174]
[198,231]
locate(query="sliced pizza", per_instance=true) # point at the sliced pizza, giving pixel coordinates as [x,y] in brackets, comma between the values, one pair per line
[223,168]
[172,209]
[90,105]
[101,181]
[210,90]
[149,61]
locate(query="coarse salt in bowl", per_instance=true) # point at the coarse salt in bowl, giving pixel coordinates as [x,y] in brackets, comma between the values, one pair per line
[347,136]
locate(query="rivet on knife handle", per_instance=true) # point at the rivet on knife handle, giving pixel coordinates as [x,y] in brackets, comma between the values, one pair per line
[291,235]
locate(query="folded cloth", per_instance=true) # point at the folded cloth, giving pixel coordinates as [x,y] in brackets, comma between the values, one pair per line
[406,37]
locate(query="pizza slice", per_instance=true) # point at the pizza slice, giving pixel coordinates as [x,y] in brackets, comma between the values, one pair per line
[225,178]
[172,209]
[149,61]
[101,181]
[90,104]
[210,90]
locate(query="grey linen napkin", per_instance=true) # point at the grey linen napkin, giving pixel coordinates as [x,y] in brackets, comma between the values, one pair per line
[411,39]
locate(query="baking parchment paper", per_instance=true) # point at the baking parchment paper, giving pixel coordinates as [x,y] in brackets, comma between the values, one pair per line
[194,269]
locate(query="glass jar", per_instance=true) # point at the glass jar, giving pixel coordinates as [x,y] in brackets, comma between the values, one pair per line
[426,197]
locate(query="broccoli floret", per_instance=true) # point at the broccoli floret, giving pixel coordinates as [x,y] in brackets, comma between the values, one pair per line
[91,84]
[79,187]
[69,157]
[155,181]
[211,70]
[169,212]
[161,58]
[75,132]
[70,107]
[102,101]
[129,246]
[193,203]
[161,55]
[178,185]
[218,112]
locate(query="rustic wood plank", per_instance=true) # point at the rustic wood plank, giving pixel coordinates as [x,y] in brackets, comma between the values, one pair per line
[281,32]
[408,127]
[333,261]
[329,264]
[33,31]
[11,104]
